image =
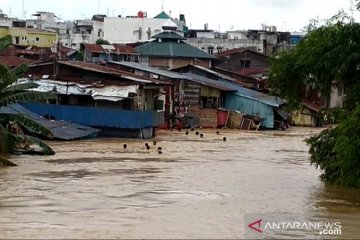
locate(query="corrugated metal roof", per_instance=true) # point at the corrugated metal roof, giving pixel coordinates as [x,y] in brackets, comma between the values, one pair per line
[112,48]
[209,82]
[111,71]
[93,47]
[251,94]
[163,15]
[178,76]
[237,50]
[138,66]
[314,106]
[13,61]
[169,35]
[232,73]
[172,49]
[62,130]
[248,71]
[214,73]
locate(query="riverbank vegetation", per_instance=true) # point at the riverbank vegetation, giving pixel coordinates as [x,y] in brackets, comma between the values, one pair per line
[12,137]
[327,57]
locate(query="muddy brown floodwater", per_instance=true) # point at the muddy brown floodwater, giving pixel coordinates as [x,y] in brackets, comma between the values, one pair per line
[198,188]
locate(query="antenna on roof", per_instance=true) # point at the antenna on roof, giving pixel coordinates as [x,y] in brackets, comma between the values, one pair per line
[162,5]
[22,11]
[98,7]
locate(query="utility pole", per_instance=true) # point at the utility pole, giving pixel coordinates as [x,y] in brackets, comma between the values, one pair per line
[98,7]
[23,10]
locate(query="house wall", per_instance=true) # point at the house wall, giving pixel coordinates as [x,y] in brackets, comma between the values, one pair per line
[205,35]
[251,107]
[97,117]
[336,97]
[180,62]
[202,63]
[209,92]
[4,31]
[207,116]
[25,37]
[190,91]
[83,31]
[303,117]
[130,30]
[160,62]
[233,63]
[221,44]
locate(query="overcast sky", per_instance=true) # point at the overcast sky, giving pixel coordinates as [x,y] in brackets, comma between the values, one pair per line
[286,15]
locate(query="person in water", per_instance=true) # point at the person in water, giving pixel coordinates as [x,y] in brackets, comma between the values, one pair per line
[180,110]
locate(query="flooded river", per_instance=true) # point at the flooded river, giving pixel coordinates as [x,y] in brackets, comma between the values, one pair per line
[198,188]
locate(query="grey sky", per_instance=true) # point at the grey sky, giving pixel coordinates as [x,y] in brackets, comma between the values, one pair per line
[222,15]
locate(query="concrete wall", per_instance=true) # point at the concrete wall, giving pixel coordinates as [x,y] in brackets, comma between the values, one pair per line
[127,30]
[336,97]
[303,117]
[219,44]
[26,37]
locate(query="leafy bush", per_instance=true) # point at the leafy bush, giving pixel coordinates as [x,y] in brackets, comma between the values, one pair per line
[336,151]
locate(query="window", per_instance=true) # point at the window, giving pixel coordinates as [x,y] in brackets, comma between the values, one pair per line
[209,102]
[100,33]
[245,62]
[210,50]
[37,39]
[115,57]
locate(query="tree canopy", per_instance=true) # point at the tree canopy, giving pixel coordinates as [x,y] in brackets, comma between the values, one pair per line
[101,41]
[327,55]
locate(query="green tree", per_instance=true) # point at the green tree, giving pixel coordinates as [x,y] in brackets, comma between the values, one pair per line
[101,41]
[327,55]
[336,151]
[11,141]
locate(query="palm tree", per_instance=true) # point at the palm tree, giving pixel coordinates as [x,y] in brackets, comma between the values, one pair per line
[12,139]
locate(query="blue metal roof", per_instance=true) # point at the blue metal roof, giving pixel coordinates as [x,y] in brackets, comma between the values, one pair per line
[63,130]
[255,95]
